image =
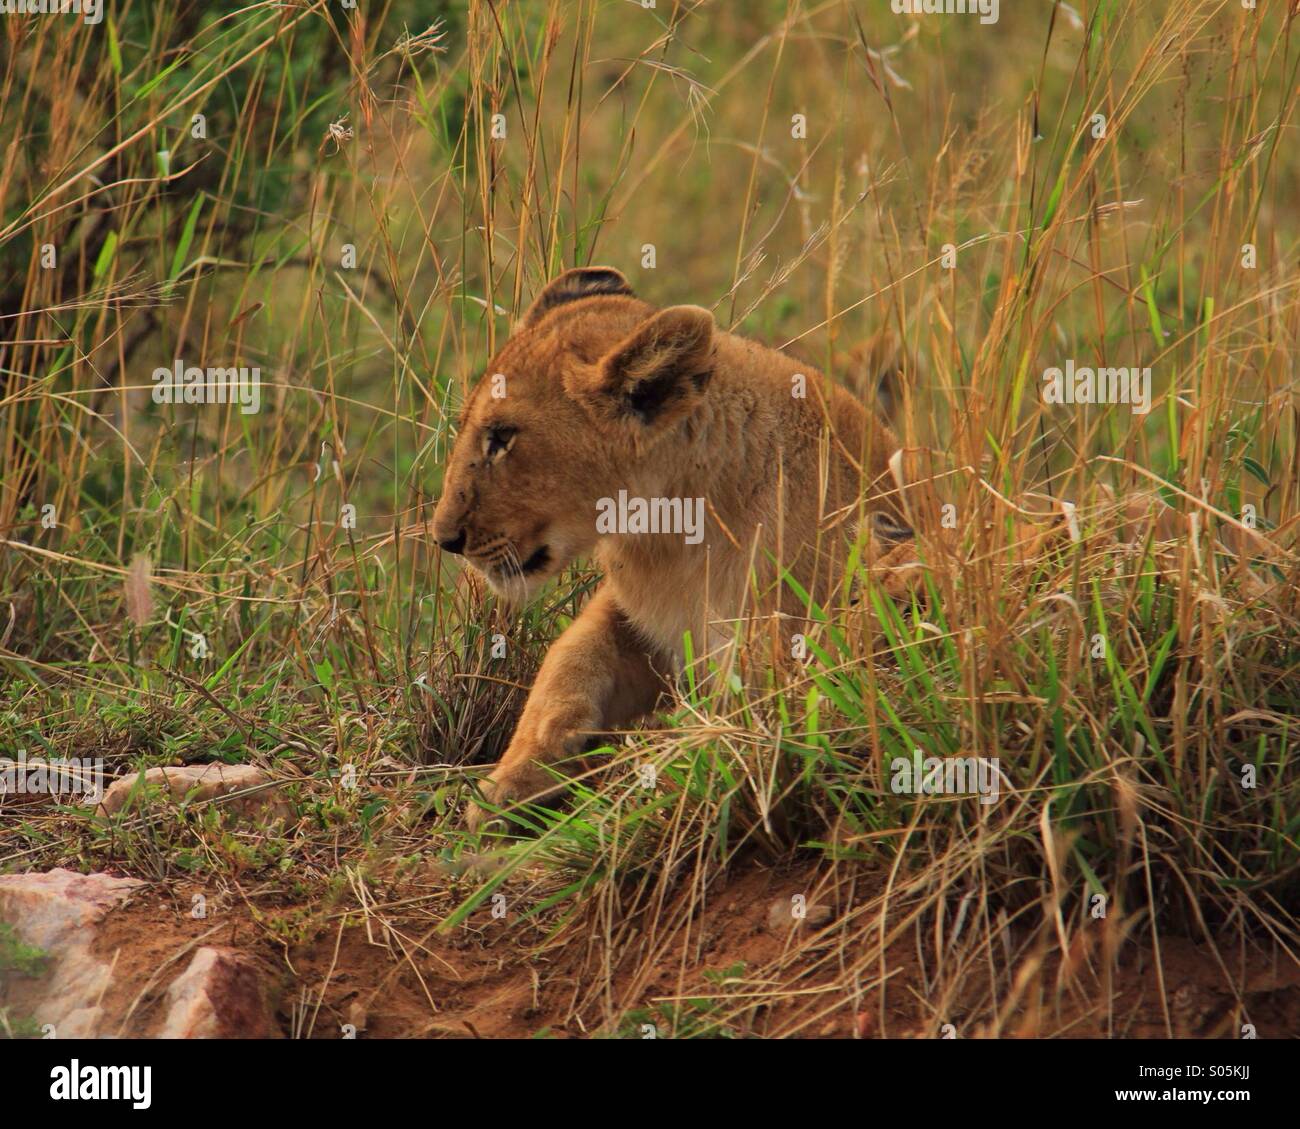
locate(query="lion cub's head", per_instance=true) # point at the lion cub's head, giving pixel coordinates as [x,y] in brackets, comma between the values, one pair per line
[573,408]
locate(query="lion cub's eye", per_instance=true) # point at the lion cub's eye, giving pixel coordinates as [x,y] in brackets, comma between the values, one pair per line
[497,441]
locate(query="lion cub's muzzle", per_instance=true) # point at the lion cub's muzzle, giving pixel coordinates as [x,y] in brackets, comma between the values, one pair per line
[501,559]
[453,544]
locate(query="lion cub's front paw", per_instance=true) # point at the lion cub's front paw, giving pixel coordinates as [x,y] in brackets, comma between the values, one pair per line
[506,787]
[899,571]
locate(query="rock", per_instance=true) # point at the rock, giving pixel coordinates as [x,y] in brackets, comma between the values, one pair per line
[195,783]
[782,915]
[357,1015]
[57,913]
[82,995]
[219,996]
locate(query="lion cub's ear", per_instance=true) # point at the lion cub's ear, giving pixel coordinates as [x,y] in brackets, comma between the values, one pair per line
[653,377]
[581,282]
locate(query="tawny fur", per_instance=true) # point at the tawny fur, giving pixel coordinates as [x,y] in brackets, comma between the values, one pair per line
[602,393]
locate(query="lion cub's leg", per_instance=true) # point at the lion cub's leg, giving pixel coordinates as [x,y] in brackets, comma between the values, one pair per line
[900,571]
[596,676]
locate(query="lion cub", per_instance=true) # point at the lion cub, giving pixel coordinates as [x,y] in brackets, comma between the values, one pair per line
[694,466]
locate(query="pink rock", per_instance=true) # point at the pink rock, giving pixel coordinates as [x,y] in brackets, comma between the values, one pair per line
[199,782]
[57,913]
[219,996]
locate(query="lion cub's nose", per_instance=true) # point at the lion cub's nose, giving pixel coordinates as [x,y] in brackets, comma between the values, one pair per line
[453,544]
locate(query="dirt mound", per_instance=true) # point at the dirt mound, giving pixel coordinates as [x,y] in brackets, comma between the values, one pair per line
[168,963]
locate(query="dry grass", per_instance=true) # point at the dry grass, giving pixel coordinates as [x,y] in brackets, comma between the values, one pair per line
[331,646]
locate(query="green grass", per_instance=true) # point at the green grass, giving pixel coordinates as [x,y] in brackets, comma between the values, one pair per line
[330,646]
